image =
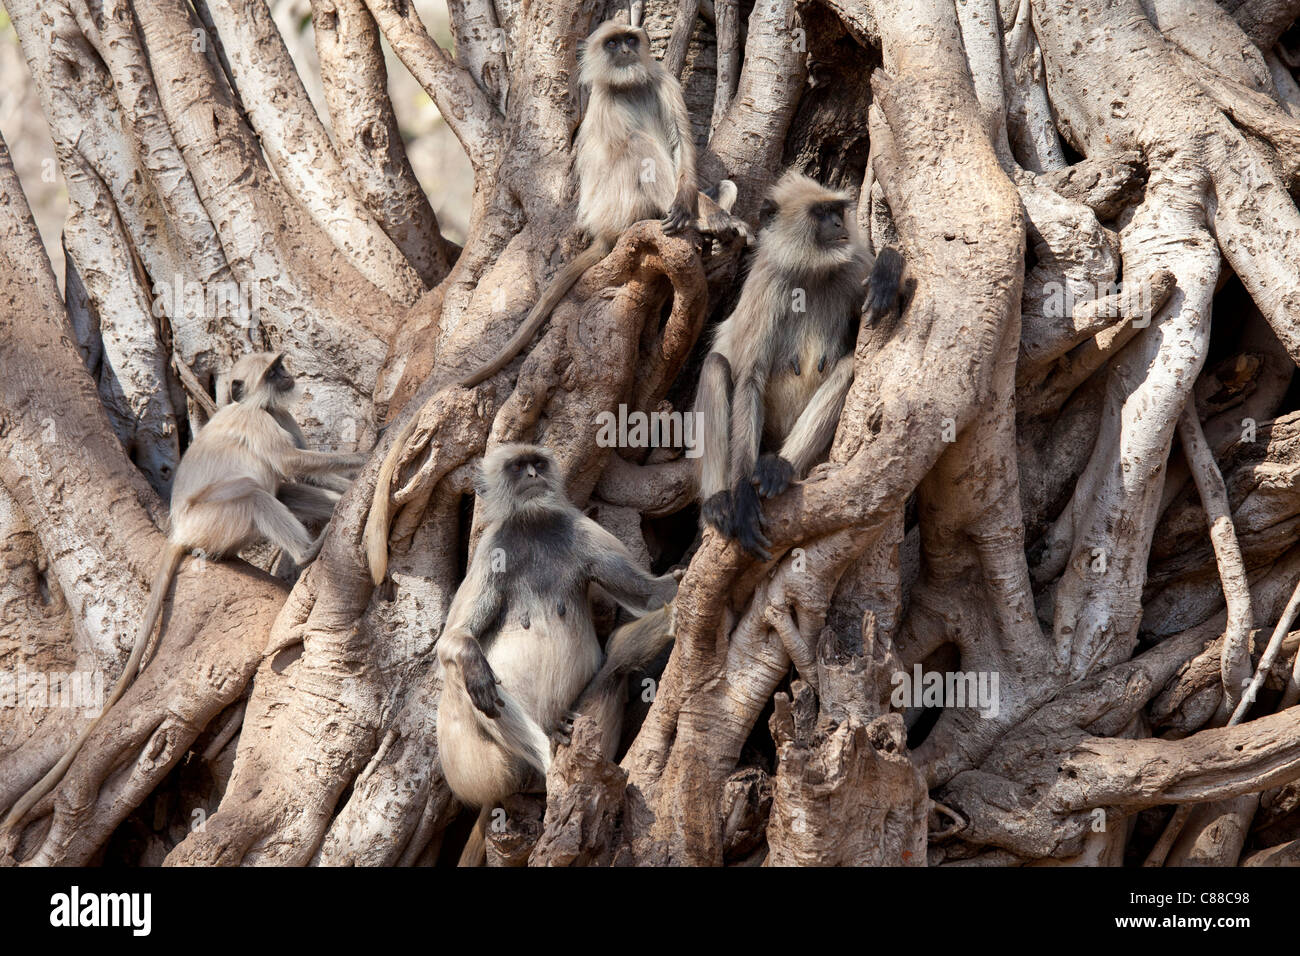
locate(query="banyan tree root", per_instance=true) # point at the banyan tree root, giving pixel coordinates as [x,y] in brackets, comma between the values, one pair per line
[845,792]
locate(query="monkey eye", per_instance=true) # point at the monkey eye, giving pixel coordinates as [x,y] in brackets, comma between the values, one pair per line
[632,42]
[611,44]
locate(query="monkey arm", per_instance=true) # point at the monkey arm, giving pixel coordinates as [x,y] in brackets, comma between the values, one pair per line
[714,218]
[611,566]
[815,427]
[480,599]
[746,434]
[302,461]
[713,404]
[685,208]
[747,415]
[335,482]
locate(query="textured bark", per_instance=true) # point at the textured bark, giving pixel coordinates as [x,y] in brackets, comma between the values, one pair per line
[1093,199]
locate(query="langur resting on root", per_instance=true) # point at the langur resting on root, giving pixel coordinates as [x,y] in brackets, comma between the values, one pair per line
[519,646]
[782,362]
[242,479]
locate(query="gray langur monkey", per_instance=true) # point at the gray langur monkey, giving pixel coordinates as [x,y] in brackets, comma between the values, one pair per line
[635,160]
[782,362]
[519,646]
[243,478]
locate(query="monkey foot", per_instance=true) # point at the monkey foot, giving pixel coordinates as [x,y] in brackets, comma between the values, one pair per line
[562,736]
[678,218]
[747,517]
[772,474]
[717,513]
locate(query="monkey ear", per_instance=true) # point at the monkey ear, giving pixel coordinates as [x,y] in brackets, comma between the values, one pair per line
[766,210]
[480,481]
[236,390]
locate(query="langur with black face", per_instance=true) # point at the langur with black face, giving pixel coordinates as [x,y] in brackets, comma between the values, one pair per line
[225,498]
[635,160]
[782,362]
[519,646]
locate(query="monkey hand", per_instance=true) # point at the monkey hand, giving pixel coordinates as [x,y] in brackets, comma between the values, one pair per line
[480,682]
[747,520]
[562,736]
[678,218]
[724,227]
[884,281]
[716,512]
[772,474]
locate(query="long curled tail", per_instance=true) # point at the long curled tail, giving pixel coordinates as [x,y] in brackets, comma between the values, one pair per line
[380,516]
[171,560]
[540,312]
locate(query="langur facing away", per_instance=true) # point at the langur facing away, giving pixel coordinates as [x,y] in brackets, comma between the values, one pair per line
[782,362]
[519,647]
[225,498]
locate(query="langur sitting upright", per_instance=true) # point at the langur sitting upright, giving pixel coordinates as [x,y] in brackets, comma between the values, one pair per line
[225,498]
[519,647]
[782,362]
[635,160]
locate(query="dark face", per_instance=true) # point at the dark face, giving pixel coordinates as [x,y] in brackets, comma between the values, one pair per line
[623,49]
[529,476]
[278,377]
[829,220]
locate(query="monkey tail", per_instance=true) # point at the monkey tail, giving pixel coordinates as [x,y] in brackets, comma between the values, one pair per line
[475,852]
[556,291]
[883,285]
[380,517]
[633,645]
[171,560]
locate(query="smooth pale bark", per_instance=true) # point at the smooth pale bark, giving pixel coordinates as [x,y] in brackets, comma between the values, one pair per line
[369,142]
